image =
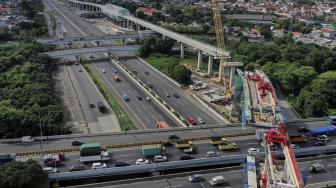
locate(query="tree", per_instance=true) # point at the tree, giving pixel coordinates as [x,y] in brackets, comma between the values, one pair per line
[266,32]
[181,74]
[145,50]
[22,175]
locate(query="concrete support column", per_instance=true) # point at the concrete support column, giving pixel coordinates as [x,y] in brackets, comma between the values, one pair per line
[137,27]
[128,24]
[210,62]
[221,72]
[199,60]
[182,51]
[164,37]
[232,76]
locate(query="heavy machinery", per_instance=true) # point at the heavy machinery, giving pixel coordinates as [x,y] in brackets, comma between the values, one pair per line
[221,47]
[277,173]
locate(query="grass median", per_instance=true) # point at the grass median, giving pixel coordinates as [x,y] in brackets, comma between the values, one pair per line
[124,121]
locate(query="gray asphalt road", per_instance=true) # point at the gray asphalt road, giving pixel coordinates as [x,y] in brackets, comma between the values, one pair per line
[86,91]
[144,114]
[115,139]
[132,154]
[185,105]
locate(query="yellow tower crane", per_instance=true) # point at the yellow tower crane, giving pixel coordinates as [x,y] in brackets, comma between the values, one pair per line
[221,46]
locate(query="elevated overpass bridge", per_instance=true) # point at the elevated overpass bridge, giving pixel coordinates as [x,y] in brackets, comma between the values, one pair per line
[55,41]
[111,50]
[120,14]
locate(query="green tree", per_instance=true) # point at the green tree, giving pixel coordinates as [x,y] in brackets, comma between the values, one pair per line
[145,50]
[181,74]
[22,175]
[265,31]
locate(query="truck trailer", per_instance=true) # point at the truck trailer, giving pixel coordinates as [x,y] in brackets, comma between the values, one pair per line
[329,130]
[151,150]
[6,158]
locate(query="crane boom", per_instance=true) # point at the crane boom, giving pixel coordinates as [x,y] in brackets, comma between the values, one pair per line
[220,38]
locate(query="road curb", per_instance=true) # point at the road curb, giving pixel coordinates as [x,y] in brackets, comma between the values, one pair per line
[212,110]
[170,79]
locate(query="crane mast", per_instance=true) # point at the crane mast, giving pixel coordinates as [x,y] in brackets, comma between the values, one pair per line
[220,41]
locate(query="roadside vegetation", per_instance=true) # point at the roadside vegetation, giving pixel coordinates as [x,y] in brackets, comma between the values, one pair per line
[124,121]
[27,100]
[23,175]
[168,65]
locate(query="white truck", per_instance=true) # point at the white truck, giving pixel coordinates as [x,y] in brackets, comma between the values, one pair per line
[27,139]
[104,156]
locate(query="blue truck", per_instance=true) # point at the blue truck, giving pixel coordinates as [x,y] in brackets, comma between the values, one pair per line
[329,130]
[6,158]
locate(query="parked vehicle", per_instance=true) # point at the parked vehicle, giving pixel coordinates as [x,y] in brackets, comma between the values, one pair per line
[302,130]
[27,139]
[298,138]
[329,130]
[162,125]
[183,144]
[116,78]
[141,161]
[252,150]
[125,97]
[152,150]
[191,121]
[98,165]
[190,150]
[186,157]
[50,170]
[196,178]
[76,143]
[331,120]
[216,140]
[217,180]
[160,158]
[200,120]
[101,107]
[120,163]
[316,167]
[77,168]
[91,105]
[322,138]
[173,136]
[227,146]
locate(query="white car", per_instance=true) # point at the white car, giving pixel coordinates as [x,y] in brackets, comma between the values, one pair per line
[141,161]
[160,158]
[148,99]
[294,146]
[103,70]
[200,120]
[323,138]
[50,170]
[98,165]
[252,150]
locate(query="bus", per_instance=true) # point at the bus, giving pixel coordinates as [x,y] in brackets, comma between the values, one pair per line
[162,125]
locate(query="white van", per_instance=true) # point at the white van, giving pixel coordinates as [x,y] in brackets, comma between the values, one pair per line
[217,180]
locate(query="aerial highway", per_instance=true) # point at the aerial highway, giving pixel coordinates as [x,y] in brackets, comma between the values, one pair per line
[85,89]
[143,114]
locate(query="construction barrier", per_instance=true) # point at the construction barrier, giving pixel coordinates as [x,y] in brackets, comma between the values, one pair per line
[113,146]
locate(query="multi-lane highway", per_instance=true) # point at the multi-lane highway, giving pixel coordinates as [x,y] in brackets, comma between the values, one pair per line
[185,104]
[143,114]
[84,88]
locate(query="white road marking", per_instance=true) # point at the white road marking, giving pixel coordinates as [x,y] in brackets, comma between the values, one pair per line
[125,155]
[173,186]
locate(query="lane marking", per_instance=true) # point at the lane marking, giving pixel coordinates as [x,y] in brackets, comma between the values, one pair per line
[173,186]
